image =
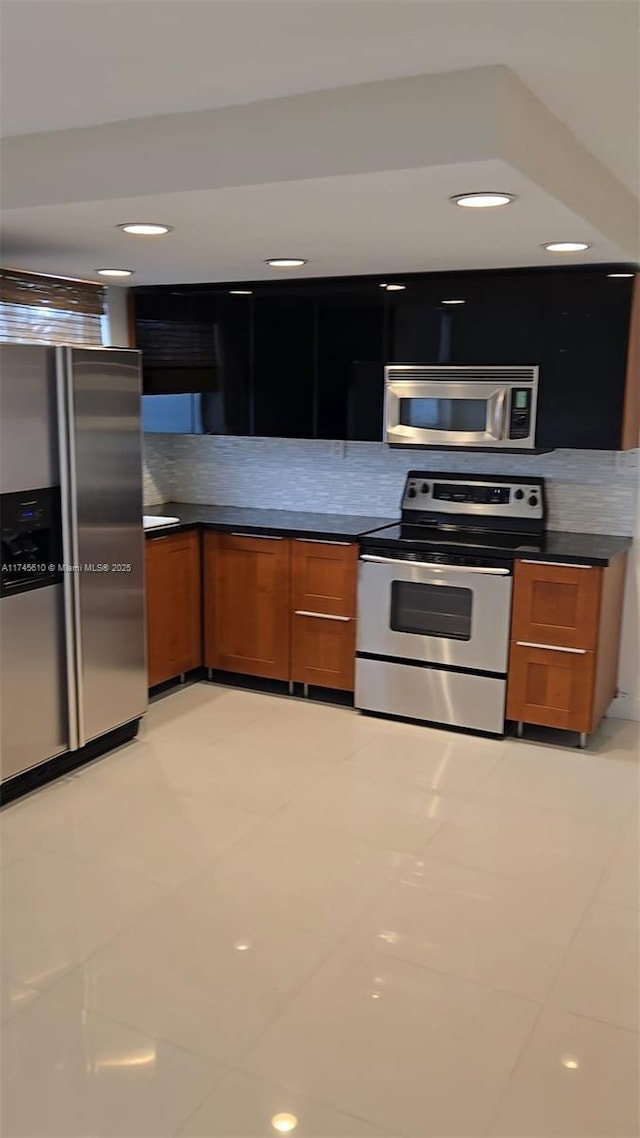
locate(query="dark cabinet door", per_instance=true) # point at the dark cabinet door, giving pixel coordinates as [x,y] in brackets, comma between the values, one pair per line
[417,332]
[584,346]
[284,363]
[350,362]
[501,321]
[197,342]
[174,332]
[226,408]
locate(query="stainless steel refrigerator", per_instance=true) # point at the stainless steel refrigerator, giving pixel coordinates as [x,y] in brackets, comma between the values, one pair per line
[72,627]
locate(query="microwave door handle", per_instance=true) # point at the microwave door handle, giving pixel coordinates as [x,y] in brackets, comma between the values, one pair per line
[498,424]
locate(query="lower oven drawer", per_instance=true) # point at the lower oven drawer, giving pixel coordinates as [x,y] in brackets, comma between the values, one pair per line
[452,698]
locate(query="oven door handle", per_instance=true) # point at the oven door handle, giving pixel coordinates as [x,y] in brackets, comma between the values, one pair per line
[487,570]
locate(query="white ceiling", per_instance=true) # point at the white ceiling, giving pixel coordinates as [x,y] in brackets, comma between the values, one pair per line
[70,63]
[91,62]
[383,222]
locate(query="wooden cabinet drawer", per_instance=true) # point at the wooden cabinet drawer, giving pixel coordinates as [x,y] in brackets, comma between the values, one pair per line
[556,604]
[323,577]
[552,687]
[247,604]
[174,640]
[323,650]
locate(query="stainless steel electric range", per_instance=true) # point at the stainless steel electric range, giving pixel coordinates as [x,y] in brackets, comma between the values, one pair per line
[434,598]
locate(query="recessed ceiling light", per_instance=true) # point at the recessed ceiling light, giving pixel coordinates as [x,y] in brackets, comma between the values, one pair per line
[393,287]
[240,292]
[453,302]
[145,228]
[285,262]
[284,1123]
[483,200]
[566,246]
[621,275]
[115,272]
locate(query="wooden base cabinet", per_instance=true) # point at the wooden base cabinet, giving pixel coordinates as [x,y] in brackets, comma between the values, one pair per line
[323,651]
[281,608]
[565,640]
[174,620]
[553,687]
[323,599]
[246,608]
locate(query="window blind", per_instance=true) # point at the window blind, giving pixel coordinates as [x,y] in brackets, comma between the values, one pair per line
[35,308]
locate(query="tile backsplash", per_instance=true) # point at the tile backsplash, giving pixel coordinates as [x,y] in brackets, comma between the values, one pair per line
[588,491]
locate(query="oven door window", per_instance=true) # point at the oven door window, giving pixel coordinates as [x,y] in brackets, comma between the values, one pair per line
[431,610]
[434,414]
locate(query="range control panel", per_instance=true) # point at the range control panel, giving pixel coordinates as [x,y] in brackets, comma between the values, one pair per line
[480,497]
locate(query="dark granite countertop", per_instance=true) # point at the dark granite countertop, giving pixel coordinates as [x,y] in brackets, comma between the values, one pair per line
[578,548]
[282,523]
[562,548]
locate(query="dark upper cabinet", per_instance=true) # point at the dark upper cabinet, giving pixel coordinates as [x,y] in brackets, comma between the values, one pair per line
[174,331]
[198,342]
[306,359]
[465,319]
[573,324]
[501,321]
[350,357]
[583,361]
[418,324]
[284,351]
[226,409]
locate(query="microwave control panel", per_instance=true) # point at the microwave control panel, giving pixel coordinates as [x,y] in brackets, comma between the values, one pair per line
[520,413]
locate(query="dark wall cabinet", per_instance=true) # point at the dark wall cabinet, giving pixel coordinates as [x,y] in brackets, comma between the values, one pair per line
[198,342]
[306,359]
[586,347]
[283,365]
[351,350]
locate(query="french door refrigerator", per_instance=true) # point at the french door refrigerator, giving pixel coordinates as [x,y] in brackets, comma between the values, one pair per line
[72,628]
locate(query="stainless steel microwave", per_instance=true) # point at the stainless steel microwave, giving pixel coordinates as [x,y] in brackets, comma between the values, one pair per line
[443,406]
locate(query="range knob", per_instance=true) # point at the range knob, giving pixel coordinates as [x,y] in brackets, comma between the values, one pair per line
[533,501]
[425,487]
[411,493]
[519,494]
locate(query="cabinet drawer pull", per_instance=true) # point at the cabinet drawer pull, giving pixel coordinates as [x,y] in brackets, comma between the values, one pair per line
[551,647]
[321,615]
[554,564]
[321,541]
[258,536]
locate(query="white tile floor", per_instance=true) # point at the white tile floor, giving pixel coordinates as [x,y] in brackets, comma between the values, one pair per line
[267,914]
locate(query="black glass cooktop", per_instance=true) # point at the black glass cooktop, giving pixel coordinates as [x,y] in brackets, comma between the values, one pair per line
[455,539]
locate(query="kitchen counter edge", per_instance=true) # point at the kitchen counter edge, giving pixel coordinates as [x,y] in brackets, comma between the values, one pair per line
[589,549]
[280,523]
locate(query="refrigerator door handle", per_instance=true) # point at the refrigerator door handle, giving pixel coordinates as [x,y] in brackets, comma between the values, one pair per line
[70,554]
